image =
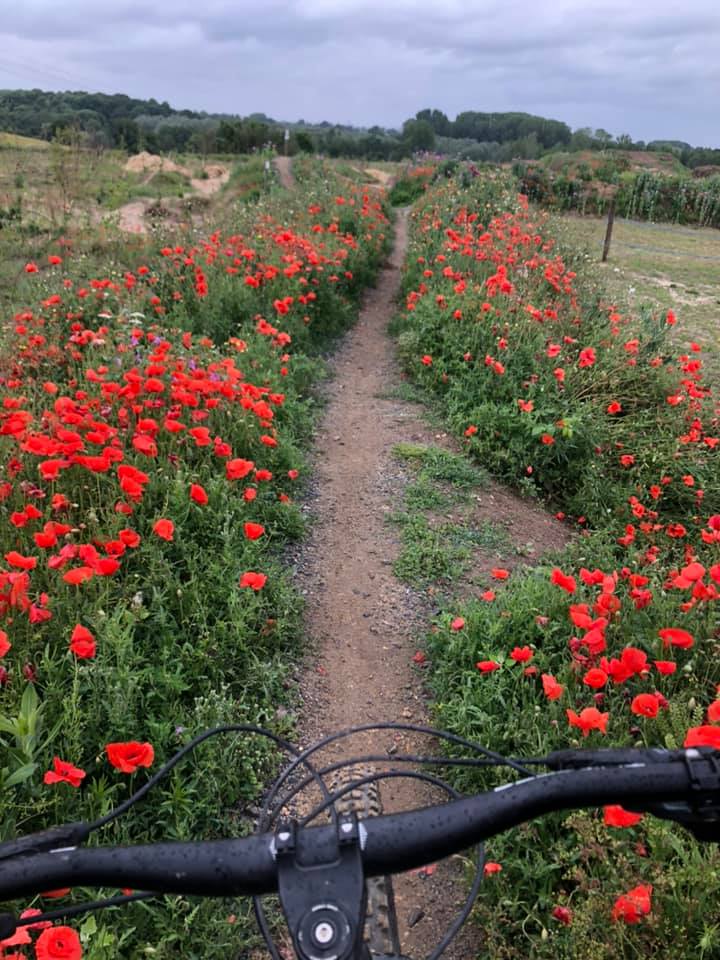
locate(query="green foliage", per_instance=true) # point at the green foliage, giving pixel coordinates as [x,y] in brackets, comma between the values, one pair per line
[431,552]
[490,359]
[645,195]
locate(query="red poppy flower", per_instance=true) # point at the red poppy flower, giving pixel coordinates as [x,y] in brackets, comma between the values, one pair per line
[129,538]
[498,573]
[106,566]
[253,531]
[144,444]
[164,529]
[458,623]
[201,436]
[78,575]
[674,636]
[551,688]
[491,868]
[617,816]
[64,772]
[237,469]
[703,736]
[713,713]
[564,581]
[588,719]
[614,407]
[198,494]
[634,904]
[58,943]
[82,643]
[16,559]
[595,678]
[562,915]
[128,756]
[5,645]
[666,667]
[645,705]
[587,357]
[487,666]
[255,581]
[488,596]
[521,654]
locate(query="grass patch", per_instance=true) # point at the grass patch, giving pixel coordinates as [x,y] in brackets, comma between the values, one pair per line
[406,391]
[429,554]
[488,536]
[441,465]
[657,266]
[432,550]
[425,495]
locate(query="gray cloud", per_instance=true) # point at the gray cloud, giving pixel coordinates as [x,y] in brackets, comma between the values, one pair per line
[648,68]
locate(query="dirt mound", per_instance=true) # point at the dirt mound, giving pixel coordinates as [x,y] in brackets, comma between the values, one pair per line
[150,163]
[708,170]
[382,175]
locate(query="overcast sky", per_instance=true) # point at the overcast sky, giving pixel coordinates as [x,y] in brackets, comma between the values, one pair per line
[650,68]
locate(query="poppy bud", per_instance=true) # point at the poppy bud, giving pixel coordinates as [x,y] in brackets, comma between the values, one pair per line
[29,673]
[4,676]
[562,915]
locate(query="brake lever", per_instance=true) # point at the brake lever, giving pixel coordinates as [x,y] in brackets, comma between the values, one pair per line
[703,823]
[700,813]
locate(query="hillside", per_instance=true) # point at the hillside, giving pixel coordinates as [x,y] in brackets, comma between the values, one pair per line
[13,141]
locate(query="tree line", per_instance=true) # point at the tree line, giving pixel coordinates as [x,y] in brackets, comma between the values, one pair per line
[120,121]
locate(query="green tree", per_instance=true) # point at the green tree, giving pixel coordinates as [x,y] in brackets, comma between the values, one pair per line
[418,135]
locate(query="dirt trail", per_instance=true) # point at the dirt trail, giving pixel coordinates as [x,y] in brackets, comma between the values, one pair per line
[283,165]
[132,216]
[361,617]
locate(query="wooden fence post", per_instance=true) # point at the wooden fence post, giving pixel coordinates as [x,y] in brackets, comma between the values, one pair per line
[609,230]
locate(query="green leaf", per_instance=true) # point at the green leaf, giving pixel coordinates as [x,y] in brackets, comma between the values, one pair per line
[21,774]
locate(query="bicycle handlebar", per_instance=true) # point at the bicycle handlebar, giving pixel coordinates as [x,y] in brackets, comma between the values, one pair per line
[395,842]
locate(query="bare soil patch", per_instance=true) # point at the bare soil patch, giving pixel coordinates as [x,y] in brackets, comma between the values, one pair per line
[131,217]
[217,175]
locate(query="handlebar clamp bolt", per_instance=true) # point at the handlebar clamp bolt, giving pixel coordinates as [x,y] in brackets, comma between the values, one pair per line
[324,933]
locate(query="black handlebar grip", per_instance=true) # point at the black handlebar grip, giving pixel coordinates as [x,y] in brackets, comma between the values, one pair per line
[214,868]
